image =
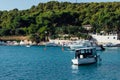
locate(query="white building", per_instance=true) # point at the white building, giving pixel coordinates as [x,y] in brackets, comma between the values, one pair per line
[110,38]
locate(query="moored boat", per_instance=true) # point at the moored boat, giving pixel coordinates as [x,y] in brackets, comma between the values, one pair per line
[85,43]
[86,55]
[27,45]
[79,44]
[51,44]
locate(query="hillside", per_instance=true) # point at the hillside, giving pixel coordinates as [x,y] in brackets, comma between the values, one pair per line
[53,18]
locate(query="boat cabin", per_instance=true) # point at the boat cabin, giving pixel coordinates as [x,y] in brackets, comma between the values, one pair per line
[85,53]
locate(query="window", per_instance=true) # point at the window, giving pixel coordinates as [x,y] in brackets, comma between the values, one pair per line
[113,37]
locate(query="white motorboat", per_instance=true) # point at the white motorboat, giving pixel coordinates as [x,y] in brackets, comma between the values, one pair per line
[86,55]
[85,43]
[80,44]
[51,44]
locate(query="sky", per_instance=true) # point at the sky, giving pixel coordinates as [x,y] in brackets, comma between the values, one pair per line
[26,4]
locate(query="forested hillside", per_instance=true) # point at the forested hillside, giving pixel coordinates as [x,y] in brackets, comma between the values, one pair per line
[53,18]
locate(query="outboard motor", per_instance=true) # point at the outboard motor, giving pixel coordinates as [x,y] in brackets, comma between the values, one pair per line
[102,48]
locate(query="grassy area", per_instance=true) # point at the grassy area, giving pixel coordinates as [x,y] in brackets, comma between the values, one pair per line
[14,38]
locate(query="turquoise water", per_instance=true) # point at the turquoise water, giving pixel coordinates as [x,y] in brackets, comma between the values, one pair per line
[36,63]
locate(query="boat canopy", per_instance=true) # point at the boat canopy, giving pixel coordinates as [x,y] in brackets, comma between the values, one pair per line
[88,50]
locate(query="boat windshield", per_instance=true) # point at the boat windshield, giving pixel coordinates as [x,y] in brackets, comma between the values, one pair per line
[86,51]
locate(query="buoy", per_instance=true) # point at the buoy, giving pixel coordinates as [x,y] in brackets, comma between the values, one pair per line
[62,49]
[44,48]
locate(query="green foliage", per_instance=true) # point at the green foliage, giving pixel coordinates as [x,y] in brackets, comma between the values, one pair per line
[4,32]
[20,31]
[34,37]
[61,18]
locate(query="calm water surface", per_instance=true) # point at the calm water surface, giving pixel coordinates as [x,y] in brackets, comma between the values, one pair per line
[35,63]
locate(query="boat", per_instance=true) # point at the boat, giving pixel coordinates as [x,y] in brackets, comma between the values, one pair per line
[2,43]
[85,43]
[79,44]
[27,45]
[51,44]
[109,44]
[86,55]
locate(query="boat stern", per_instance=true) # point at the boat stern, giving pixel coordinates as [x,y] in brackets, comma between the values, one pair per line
[75,61]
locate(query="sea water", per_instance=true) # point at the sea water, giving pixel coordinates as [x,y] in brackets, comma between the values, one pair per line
[54,63]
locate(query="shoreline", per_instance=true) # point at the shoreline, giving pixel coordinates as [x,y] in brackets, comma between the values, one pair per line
[13,38]
[24,40]
[15,43]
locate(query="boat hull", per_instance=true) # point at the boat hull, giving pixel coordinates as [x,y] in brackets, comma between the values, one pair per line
[84,61]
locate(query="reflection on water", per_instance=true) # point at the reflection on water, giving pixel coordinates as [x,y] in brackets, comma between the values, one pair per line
[75,69]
